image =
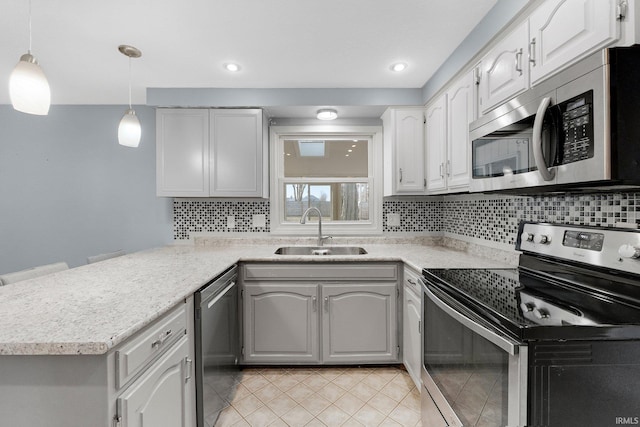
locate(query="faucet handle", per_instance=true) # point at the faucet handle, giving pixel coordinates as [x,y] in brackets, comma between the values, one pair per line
[326,238]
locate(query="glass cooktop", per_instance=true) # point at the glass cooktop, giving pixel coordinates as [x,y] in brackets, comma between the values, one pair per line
[553,302]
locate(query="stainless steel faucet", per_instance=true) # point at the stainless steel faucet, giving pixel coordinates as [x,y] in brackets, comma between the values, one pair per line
[303,220]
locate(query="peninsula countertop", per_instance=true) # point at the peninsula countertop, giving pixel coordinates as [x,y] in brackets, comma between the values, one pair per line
[92,308]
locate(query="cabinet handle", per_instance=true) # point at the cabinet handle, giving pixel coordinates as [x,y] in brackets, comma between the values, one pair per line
[161,339]
[314,301]
[448,168]
[519,61]
[326,304]
[189,363]
[441,170]
[532,52]
[400,174]
[413,282]
[419,331]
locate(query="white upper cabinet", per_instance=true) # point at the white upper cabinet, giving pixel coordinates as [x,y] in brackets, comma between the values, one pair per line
[436,143]
[211,153]
[504,71]
[237,153]
[562,31]
[404,151]
[182,152]
[447,139]
[461,111]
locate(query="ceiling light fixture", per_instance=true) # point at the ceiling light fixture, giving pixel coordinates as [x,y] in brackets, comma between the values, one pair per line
[232,67]
[28,86]
[327,114]
[399,66]
[129,130]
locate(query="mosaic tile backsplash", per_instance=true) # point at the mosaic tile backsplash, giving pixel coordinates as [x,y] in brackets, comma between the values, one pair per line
[496,218]
[493,218]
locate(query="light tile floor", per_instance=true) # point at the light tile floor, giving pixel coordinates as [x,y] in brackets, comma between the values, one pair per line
[349,396]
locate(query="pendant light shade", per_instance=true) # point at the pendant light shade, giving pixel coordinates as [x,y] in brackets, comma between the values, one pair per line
[28,87]
[129,129]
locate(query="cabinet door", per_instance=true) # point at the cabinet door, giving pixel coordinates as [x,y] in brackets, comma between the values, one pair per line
[359,323]
[504,70]
[563,31]
[236,153]
[460,111]
[436,143]
[182,152]
[411,335]
[280,323]
[409,148]
[158,398]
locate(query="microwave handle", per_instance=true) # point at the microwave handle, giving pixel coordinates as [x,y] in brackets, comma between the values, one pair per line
[538,157]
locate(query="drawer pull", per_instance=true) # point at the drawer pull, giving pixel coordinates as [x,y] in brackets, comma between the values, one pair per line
[413,282]
[161,339]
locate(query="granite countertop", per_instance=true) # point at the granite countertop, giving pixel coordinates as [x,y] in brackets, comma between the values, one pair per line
[92,308]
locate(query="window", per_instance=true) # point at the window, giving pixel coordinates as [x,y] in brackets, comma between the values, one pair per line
[335,169]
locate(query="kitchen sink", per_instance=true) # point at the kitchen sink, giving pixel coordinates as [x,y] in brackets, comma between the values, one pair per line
[320,250]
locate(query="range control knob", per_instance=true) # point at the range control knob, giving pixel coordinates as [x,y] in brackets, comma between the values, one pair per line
[526,237]
[541,238]
[541,313]
[527,307]
[629,251]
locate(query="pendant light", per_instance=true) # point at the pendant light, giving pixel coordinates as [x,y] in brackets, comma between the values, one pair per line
[28,86]
[129,130]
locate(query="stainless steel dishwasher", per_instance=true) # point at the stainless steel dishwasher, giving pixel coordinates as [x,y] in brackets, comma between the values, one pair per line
[217,346]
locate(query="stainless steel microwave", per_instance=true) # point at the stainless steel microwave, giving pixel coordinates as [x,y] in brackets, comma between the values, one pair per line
[579,128]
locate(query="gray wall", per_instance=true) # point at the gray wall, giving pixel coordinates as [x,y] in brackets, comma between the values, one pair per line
[69,190]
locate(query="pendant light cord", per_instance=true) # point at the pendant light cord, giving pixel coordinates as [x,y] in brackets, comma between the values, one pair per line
[29,26]
[130,83]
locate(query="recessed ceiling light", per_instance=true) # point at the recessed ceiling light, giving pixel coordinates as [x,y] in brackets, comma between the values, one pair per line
[346,155]
[353,146]
[327,114]
[399,66]
[350,150]
[232,67]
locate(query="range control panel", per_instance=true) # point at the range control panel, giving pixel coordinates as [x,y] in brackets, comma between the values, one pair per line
[614,248]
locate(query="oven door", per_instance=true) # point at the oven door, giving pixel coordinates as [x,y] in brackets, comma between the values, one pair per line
[471,375]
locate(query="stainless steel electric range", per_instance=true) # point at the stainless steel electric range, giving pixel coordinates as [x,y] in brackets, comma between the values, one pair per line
[554,342]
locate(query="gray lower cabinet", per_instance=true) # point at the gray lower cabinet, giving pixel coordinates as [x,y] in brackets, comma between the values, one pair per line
[320,313]
[160,396]
[412,324]
[359,323]
[280,323]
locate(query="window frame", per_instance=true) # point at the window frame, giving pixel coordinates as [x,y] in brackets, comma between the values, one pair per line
[278,134]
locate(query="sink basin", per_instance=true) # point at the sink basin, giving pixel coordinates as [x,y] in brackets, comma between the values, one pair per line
[320,250]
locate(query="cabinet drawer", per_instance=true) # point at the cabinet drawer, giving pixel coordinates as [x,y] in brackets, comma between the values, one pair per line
[411,281]
[323,272]
[140,350]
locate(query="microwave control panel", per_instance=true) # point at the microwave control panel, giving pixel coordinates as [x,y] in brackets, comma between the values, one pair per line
[576,128]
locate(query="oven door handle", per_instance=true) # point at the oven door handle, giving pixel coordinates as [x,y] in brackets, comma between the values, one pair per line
[507,345]
[546,173]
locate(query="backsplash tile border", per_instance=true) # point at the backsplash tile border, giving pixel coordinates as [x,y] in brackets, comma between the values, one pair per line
[490,218]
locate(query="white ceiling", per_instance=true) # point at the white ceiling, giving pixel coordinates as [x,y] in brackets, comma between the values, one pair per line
[278,43]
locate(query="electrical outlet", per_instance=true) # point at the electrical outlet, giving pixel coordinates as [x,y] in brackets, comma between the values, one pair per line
[393,220]
[259,221]
[231,221]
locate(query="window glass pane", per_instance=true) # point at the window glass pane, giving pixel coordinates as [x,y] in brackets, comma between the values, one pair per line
[317,158]
[337,201]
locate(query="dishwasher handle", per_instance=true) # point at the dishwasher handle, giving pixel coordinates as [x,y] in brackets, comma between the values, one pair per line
[221,294]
